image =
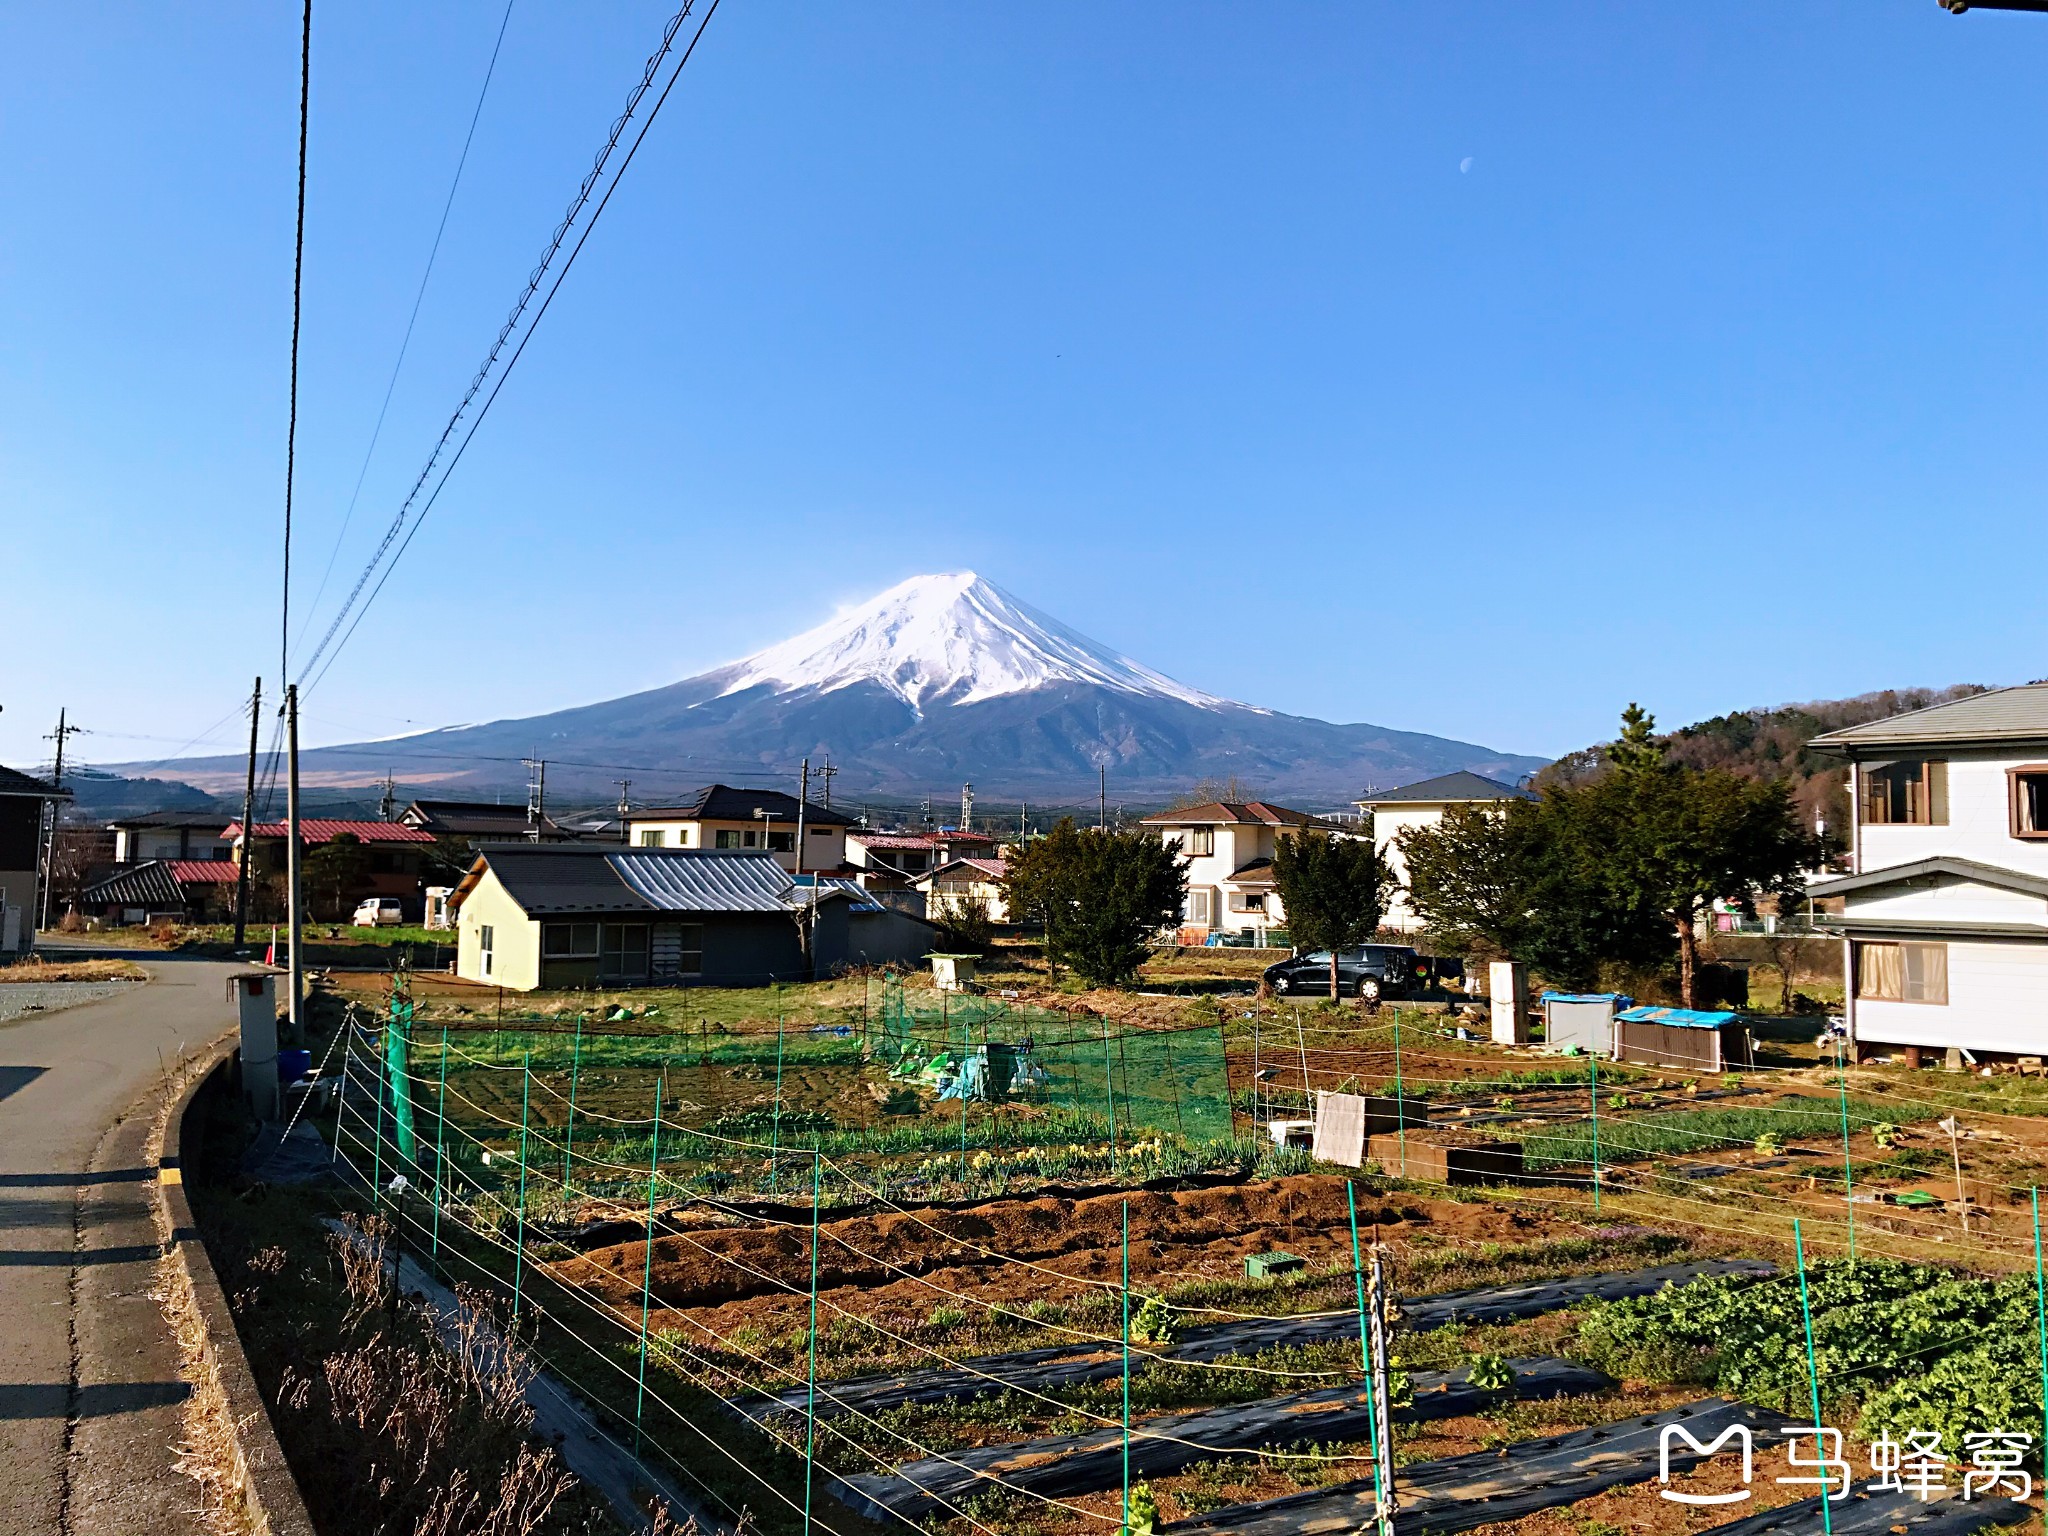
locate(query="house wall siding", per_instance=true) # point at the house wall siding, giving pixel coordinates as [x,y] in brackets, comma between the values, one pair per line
[515,948]
[1979,821]
[1948,899]
[1997,1001]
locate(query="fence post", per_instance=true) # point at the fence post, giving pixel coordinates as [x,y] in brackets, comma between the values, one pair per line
[348,1066]
[440,1149]
[1593,1089]
[1308,1099]
[1400,1098]
[1127,1365]
[775,1126]
[811,1411]
[647,1269]
[1372,1406]
[1255,1072]
[575,1073]
[2041,1317]
[519,1242]
[377,1131]
[1848,1178]
[1827,1520]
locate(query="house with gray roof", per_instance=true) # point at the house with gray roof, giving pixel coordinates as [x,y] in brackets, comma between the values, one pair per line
[24,803]
[1945,909]
[1422,804]
[567,915]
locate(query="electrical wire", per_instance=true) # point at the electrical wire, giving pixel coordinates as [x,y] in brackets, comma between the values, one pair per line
[512,322]
[419,297]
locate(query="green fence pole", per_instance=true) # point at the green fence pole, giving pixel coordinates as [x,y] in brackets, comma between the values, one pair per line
[1127,1366]
[1827,1520]
[775,1129]
[1593,1092]
[647,1269]
[1848,1178]
[2041,1320]
[575,1073]
[1372,1407]
[440,1148]
[811,1410]
[377,1131]
[519,1244]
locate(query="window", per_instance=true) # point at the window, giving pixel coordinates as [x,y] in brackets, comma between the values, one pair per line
[1198,842]
[2029,800]
[1247,901]
[651,839]
[782,842]
[682,837]
[1902,973]
[1198,908]
[821,831]
[690,958]
[486,943]
[568,941]
[1913,792]
[728,838]
[623,956]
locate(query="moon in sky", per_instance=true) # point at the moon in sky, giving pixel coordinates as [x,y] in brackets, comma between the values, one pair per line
[1464,165]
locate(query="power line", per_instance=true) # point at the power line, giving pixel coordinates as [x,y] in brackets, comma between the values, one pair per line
[533,285]
[412,320]
[291,440]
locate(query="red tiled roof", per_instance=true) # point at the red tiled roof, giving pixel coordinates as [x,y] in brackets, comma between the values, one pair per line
[202,871]
[904,840]
[954,836]
[314,830]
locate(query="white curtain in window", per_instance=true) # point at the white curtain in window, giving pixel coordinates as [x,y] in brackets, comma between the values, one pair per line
[1881,972]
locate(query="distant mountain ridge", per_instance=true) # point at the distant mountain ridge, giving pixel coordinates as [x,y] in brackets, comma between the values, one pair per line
[939,680]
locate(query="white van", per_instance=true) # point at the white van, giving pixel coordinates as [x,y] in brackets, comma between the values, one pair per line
[379,912]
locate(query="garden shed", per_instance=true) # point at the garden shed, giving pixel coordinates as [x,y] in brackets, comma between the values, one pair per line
[1683,1039]
[1582,1019]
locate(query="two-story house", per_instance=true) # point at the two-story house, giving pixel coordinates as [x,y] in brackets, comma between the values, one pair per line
[738,819]
[1945,921]
[1229,851]
[1394,811]
[189,836]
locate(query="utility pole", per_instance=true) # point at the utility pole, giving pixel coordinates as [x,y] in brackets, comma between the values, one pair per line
[625,805]
[966,807]
[536,794]
[387,803]
[1023,835]
[803,800]
[248,823]
[826,773]
[294,859]
[1102,796]
[55,811]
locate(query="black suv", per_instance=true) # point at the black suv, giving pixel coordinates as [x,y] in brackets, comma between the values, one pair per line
[1372,971]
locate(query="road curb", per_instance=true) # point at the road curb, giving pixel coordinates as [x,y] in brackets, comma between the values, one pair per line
[269,1493]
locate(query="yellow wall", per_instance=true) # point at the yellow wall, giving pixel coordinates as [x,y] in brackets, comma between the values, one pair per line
[515,948]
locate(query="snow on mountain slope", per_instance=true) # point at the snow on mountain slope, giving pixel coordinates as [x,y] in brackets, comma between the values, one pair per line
[951,639]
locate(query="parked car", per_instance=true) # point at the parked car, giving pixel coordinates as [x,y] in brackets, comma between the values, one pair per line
[379,912]
[1372,971]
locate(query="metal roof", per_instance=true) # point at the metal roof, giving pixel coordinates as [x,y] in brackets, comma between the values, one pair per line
[202,871]
[1234,813]
[701,880]
[721,802]
[2004,714]
[1445,789]
[1941,866]
[314,830]
[139,885]
[174,820]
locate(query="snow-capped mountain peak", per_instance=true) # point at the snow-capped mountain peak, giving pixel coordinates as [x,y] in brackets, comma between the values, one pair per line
[952,639]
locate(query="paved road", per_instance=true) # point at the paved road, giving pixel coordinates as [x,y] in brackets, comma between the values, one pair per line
[89,1389]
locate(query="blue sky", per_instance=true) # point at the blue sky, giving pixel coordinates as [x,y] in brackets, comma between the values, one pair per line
[1463,367]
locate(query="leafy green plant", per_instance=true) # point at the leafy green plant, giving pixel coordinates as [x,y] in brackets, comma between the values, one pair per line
[1769,1144]
[1154,1323]
[1884,1135]
[946,1319]
[1400,1385]
[1143,1511]
[1492,1373]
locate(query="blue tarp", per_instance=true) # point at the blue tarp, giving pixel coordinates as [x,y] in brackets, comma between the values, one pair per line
[1684,1018]
[1619,999]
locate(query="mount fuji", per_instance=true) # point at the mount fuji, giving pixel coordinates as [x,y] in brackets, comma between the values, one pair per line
[940,679]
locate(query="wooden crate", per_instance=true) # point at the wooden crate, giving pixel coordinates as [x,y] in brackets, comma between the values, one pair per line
[1447,1157]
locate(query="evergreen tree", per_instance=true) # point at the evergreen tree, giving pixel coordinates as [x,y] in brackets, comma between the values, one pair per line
[1103,897]
[1334,890]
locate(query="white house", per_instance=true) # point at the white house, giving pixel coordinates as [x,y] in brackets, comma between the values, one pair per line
[734,820]
[1229,853]
[959,881]
[1945,921]
[1394,811]
[181,835]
